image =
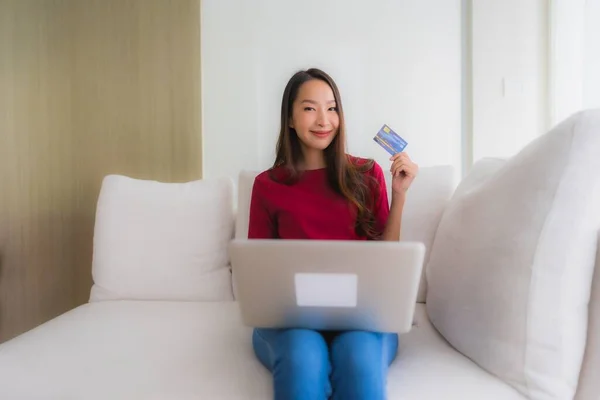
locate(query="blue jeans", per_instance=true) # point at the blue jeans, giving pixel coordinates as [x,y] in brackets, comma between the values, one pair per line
[308,364]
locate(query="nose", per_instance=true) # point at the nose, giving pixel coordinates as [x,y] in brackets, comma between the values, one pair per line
[322,119]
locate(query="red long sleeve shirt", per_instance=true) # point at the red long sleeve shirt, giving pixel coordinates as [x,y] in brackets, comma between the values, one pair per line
[310,209]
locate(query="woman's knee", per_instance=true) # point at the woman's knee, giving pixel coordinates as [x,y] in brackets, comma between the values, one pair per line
[364,351]
[303,350]
[296,349]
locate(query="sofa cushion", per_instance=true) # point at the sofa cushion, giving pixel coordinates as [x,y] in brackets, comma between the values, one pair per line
[511,266]
[200,350]
[135,350]
[162,241]
[589,384]
[425,203]
[427,367]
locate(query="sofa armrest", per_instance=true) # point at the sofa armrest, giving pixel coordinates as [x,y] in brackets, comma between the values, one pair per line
[426,201]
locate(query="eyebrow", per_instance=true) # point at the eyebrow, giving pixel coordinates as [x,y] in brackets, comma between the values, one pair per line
[314,102]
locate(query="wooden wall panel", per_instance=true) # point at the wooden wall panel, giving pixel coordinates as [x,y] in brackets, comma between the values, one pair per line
[36,178]
[137,68]
[87,88]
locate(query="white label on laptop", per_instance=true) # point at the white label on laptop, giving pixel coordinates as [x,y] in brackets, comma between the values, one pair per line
[326,290]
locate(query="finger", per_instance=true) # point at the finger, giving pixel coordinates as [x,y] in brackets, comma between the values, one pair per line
[398,169]
[410,169]
[399,162]
[395,165]
[404,156]
[408,162]
[399,155]
[395,156]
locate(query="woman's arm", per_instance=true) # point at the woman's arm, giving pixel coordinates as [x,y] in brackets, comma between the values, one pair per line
[404,171]
[394,220]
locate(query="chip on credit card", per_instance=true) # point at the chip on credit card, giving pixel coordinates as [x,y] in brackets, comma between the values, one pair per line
[390,140]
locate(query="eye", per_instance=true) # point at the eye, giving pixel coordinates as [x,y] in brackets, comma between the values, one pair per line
[333,109]
[308,108]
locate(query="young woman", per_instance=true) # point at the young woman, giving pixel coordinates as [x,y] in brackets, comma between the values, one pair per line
[316,191]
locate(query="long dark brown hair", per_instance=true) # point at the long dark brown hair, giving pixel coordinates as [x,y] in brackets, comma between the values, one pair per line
[345,176]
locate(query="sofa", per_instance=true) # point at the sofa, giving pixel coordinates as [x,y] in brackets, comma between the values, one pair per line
[508,306]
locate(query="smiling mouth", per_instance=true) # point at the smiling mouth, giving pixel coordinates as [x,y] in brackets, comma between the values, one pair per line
[321,134]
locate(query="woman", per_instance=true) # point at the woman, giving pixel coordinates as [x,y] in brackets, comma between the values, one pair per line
[316,191]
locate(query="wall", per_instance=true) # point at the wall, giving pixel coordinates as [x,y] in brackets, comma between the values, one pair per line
[591,71]
[509,75]
[574,57]
[566,57]
[37,181]
[395,62]
[137,90]
[87,89]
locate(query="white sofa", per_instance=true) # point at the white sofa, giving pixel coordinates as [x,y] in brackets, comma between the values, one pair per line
[162,321]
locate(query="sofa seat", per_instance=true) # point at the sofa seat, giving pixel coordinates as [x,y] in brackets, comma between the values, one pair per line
[199,350]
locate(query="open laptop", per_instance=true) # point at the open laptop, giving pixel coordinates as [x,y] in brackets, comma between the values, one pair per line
[326,284]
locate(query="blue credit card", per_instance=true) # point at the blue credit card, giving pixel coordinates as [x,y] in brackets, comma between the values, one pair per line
[390,140]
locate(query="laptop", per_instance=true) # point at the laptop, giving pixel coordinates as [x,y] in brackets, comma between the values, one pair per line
[327,285]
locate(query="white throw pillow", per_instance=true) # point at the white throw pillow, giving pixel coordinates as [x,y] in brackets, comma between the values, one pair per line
[162,241]
[589,384]
[510,270]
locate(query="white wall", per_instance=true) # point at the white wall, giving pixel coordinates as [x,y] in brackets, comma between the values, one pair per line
[591,71]
[566,47]
[396,62]
[574,57]
[509,81]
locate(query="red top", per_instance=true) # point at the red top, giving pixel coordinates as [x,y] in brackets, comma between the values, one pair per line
[309,208]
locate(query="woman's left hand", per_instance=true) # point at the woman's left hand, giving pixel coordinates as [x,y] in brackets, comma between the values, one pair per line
[403,172]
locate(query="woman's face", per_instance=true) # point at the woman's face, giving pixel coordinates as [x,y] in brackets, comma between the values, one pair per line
[314,115]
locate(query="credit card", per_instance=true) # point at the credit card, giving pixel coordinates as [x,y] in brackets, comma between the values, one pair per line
[390,140]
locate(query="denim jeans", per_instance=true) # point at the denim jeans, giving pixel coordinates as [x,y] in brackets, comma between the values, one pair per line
[308,364]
